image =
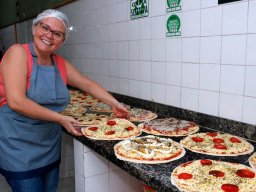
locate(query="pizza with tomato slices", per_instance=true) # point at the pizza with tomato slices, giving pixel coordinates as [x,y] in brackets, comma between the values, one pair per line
[81,98]
[113,129]
[74,110]
[141,115]
[89,119]
[169,127]
[149,149]
[252,161]
[218,144]
[207,175]
[102,107]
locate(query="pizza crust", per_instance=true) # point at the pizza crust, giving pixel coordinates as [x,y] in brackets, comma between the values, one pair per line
[252,161]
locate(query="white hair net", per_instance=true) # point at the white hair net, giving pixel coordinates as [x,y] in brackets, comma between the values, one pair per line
[56,14]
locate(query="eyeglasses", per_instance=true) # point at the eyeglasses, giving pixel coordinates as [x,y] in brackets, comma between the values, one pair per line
[45,29]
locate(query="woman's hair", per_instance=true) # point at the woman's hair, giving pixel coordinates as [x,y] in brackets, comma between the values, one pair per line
[53,13]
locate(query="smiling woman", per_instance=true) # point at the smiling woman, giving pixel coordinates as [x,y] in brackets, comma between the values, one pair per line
[33,92]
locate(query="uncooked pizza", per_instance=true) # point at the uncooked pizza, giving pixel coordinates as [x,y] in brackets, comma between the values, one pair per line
[213,176]
[74,110]
[81,98]
[102,107]
[113,129]
[141,115]
[89,119]
[149,149]
[252,161]
[218,144]
[169,127]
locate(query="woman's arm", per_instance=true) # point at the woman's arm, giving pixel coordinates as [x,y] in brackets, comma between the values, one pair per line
[14,69]
[76,79]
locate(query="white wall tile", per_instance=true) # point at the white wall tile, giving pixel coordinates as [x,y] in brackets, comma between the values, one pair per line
[134,88]
[173,49]
[123,50]
[145,50]
[94,164]
[190,5]
[158,27]
[115,84]
[97,183]
[122,31]
[119,181]
[124,86]
[190,23]
[209,102]
[211,21]
[191,50]
[233,49]
[123,11]
[145,28]
[210,49]
[123,68]
[210,77]
[134,50]
[235,18]
[79,182]
[173,95]
[232,79]
[114,68]
[189,99]
[158,50]
[158,93]
[252,17]
[190,75]
[145,90]
[145,71]
[251,50]
[133,30]
[250,81]
[158,72]
[173,73]
[79,160]
[134,70]
[231,106]
[157,7]
[209,3]
[249,110]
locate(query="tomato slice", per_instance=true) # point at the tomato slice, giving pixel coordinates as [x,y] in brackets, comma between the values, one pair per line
[130,128]
[246,173]
[230,188]
[93,128]
[197,139]
[185,176]
[220,146]
[186,164]
[216,173]
[212,134]
[235,140]
[218,140]
[111,123]
[110,132]
[206,162]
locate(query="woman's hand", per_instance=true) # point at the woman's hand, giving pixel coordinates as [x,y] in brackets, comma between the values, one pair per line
[68,123]
[120,111]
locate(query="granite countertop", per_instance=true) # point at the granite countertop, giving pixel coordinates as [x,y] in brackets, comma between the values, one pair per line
[158,176]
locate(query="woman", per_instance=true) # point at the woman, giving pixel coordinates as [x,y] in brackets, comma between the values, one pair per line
[32,93]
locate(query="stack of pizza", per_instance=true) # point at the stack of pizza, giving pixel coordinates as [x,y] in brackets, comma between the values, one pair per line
[169,127]
[252,161]
[149,149]
[81,98]
[141,115]
[74,111]
[207,175]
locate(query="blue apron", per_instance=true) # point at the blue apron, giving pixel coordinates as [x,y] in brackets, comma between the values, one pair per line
[31,147]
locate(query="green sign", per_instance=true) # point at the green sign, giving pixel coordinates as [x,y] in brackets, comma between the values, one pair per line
[173,26]
[173,5]
[139,8]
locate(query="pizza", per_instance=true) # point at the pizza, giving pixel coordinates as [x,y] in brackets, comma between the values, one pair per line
[81,98]
[91,119]
[113,129]
[207,175]
[169,127]
[102,107]
[149,149]
[218,144]
[141,115]
[74,111]
[252,161]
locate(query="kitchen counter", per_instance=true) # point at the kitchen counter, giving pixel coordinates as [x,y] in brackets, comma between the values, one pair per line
[158,175]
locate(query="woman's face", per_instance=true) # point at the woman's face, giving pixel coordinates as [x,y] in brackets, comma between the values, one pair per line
[49,34]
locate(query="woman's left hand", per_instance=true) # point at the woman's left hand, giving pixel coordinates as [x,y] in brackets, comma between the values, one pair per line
[120,111]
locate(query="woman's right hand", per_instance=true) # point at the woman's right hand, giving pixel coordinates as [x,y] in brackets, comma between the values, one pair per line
[68,123]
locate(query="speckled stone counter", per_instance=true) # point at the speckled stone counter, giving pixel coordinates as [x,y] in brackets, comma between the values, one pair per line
[158,176]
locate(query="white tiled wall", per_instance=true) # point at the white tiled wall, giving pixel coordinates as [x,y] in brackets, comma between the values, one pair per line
[93,173]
